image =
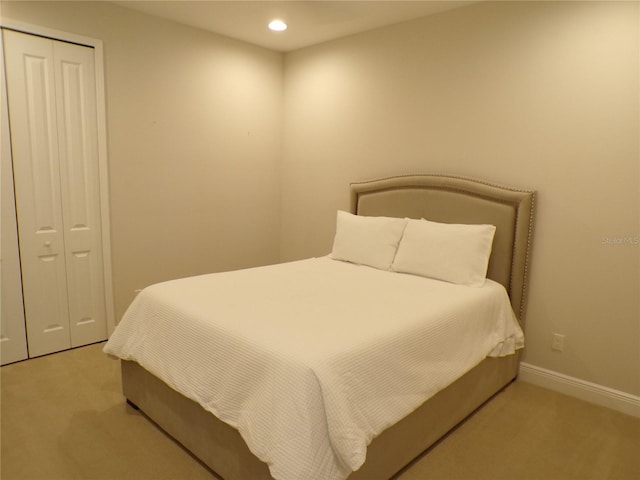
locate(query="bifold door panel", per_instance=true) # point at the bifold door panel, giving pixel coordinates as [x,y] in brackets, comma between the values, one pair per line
[13,338]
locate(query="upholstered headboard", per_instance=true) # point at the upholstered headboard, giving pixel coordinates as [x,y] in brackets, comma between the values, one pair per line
[449,199]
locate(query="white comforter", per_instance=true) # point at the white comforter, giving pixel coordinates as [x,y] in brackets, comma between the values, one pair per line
[310,360]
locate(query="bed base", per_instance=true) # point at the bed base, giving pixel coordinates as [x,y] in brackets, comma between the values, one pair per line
[223,450]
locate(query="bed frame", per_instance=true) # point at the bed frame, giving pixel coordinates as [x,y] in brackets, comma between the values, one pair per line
[435,197]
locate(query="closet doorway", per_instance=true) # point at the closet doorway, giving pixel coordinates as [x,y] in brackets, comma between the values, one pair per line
[56,276]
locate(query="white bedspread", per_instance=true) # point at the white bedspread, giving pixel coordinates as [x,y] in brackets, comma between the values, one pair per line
[310,360]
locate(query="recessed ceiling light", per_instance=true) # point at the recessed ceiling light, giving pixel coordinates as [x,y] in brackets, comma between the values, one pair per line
[278,26]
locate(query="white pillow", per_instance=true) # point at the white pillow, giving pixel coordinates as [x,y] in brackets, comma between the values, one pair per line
[371,241]
[455,253]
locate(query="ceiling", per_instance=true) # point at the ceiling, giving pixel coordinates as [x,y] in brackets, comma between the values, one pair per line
[310,22]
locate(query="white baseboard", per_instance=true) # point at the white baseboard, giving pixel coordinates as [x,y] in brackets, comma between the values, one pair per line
[590,392]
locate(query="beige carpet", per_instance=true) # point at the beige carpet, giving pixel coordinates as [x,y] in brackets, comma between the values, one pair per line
[64,418]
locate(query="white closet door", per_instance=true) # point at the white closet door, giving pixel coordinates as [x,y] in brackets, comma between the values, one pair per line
[34,139]
[51,93]
[80,188]
[13,340]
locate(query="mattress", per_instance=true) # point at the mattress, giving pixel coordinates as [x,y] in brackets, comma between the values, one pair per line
[311,360]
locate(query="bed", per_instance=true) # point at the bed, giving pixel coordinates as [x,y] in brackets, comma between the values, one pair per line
[418,423]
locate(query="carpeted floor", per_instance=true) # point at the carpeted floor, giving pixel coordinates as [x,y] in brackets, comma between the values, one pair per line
[64,418]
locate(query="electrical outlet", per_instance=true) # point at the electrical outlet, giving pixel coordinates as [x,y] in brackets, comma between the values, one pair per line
[558,342]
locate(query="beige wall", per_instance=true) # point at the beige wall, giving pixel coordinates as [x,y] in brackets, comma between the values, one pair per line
[540,95]
[194,143]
